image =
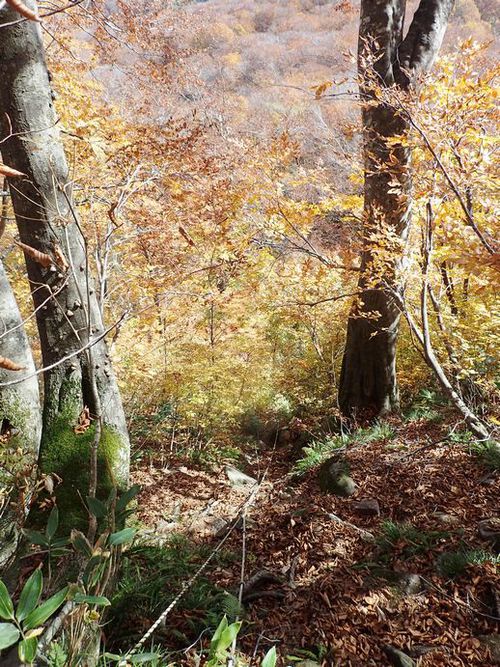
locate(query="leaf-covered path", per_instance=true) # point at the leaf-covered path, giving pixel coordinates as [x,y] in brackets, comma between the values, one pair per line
[337,594]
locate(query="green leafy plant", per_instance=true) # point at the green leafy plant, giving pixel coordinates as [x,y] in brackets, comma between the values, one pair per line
[54,546]
[452,564]
[379,431]
[150,576]
[405,535]
[488,453]
[425,407]
[222,641]
[24,624]
[316,453]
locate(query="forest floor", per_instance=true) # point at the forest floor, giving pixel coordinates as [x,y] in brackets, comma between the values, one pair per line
[343,587]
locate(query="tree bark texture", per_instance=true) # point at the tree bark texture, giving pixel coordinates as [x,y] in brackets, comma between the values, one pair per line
[368,384]
[20,423]
[68,316]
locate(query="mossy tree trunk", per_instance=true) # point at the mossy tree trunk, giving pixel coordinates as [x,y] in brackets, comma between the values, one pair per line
[386,58]
[68,316]
[20,423]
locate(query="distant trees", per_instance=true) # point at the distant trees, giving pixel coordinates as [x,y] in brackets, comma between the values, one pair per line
[386,58]
[78,371]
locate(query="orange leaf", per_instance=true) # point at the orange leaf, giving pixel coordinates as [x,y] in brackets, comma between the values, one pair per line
[10,365]
[39,257]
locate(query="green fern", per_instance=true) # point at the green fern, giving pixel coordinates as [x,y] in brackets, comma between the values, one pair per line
[316,453]
[454,563]
[231,606]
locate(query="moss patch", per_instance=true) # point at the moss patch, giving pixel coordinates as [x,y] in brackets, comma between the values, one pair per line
[67,454]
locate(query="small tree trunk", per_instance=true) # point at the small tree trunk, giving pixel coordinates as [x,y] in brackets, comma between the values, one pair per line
[20,423]
[68,316]
[368,375]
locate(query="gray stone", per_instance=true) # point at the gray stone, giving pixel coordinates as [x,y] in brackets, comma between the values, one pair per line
[410,584]
[367,507]
[334,478]
[447,519]
[489,529]
[398,658]
[492,642]
[238,478]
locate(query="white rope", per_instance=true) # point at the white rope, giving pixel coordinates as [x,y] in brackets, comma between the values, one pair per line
[187,585]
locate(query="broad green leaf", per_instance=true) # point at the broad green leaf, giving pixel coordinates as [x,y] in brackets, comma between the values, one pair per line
[6,606]
[9,635]
[27,650]
[122,536]
[98,600]
[142,657]
[81,543]
[34,537]
[60,542]
[52,523]
[270,658]
[126,497]
[45,610]
[111,498]
[30,595]
[217,634]
[228,636]
[97,507]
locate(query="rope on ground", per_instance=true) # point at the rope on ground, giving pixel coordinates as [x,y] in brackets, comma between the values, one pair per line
[187,585]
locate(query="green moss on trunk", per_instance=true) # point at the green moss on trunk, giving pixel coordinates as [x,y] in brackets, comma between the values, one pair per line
[68,454]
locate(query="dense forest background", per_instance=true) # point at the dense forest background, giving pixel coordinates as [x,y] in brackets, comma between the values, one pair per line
[204,239]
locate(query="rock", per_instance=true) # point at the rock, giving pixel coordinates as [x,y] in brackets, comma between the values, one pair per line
[410,584]
[307,663]
[333,477]
[238,478]
[418,650]
[489,529]
[398,658]
[492,643]
[447,519]
[367,507]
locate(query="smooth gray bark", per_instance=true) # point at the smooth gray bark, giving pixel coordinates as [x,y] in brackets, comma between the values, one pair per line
[368,382]
[20,423]
[68,315]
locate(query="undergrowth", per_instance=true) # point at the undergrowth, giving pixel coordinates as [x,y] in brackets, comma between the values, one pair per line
[321,449]
[452,564]
[488,453]
[150,578]
[407,537]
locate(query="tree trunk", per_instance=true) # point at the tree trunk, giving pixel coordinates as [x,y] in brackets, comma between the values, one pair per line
[68,316]
[368,382]
[20,423]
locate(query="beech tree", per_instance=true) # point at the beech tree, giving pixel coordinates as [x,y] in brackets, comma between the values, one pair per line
[386,58]
[78,373]
[20,420]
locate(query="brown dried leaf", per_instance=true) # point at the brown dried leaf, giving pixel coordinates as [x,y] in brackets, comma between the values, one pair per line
[38,256]
[60,258]
[83,421]
[9,171]
[186,236]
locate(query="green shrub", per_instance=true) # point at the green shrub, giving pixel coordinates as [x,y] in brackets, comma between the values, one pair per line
[149,578]
[452,564]
[411,538]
